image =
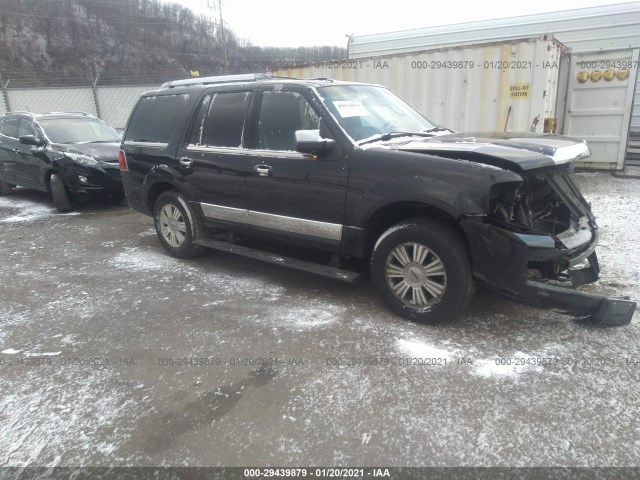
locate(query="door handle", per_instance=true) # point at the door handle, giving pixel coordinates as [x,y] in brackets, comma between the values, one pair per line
[263,170]
[185,162]
[15,150]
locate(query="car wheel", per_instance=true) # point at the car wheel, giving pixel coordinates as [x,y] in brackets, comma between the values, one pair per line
[61,197]
[119,199]
[5,188]
[421,269]
[177,225]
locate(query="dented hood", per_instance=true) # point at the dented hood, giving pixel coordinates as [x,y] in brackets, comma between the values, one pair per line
[525,151]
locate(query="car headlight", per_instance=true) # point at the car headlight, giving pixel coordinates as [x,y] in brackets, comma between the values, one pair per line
[83,159]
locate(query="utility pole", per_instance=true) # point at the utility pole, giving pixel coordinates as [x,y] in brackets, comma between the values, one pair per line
[94,88]
[348,42]
[5,96]
[224,38]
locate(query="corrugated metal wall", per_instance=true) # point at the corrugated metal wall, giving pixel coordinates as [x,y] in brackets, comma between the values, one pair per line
[608,27]
[465,89]
[633,145]
[635,118]
[115,103]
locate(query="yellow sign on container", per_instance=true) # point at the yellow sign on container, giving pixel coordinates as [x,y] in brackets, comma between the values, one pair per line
[519,90]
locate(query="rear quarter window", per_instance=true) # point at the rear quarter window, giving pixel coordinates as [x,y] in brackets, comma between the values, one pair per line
[156,118]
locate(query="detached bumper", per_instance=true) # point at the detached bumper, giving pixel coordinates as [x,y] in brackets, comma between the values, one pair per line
[501,259]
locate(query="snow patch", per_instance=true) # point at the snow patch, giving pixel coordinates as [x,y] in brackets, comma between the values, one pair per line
[420,349]
[136,259]
[395,228]
[514,366]
[10,351]
[28,211]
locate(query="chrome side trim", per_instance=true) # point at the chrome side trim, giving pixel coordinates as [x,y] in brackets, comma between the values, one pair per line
[229,214]
[332,231]
[313,228]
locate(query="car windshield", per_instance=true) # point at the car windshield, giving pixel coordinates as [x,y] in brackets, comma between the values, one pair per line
[366,112]
[78,130]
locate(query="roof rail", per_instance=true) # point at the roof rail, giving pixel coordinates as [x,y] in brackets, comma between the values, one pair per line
[246,77]
[84,114]
[33,114]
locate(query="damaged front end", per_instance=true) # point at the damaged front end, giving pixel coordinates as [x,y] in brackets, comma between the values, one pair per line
[538,241]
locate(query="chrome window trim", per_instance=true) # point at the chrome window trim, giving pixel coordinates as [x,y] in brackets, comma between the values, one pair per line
[303,226]
[216,149]
[131,143]
[281,154]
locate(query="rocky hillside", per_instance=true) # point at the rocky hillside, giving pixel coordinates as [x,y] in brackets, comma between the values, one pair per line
[68,42]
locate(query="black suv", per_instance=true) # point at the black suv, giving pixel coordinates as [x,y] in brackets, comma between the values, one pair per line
[71,155]
[351,169]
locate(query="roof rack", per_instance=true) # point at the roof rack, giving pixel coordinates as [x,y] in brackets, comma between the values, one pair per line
[246,77]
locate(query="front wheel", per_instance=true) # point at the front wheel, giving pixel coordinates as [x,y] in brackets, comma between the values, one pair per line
[61,198]
[421,270]
[5,188]
[177,225]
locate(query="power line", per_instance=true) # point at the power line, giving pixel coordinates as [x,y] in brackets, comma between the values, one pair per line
[77,19]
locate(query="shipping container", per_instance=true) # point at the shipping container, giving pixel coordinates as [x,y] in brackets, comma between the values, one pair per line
[508,85]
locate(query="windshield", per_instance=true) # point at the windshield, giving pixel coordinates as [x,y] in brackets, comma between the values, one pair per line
[365,111]
[78,130]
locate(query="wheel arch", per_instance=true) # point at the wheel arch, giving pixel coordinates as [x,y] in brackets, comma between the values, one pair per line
[392,214]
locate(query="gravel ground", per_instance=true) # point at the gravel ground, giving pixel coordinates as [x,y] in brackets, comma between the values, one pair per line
[94,319]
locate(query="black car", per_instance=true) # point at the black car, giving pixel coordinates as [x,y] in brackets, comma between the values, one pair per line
[351,169]
[71,155]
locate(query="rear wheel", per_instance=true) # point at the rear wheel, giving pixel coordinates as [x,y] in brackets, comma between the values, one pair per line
[177,225]
[421,270]
[61,197]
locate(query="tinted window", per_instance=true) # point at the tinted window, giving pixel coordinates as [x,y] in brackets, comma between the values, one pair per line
[220,120]
[10,127]
[281,114]
[156,118]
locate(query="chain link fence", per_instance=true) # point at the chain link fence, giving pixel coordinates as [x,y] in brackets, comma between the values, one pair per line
[111,104]
[116,103]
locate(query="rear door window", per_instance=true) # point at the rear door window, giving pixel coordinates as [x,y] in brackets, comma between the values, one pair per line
[156,118]
[220,120]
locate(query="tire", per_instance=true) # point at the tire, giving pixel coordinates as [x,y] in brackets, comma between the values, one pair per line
[5,188]
[119,199]
[61,197]
[422,271]
[177,225]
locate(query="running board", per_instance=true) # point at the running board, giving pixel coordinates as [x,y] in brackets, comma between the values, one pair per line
[315,268]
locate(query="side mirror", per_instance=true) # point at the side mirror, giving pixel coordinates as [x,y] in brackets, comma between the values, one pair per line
[31,140]
[310,141]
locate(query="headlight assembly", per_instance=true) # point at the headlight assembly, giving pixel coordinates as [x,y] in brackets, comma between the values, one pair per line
[83,159]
